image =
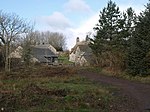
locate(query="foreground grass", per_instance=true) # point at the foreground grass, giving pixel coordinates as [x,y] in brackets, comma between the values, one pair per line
[32,90]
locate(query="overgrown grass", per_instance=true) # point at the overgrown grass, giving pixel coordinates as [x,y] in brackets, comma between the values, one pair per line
[64,60]
[141,79]
[29,91]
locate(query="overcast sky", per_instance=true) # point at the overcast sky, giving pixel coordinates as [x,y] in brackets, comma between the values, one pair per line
[74,18]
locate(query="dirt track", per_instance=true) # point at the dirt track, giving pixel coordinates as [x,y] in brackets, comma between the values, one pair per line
[137,91]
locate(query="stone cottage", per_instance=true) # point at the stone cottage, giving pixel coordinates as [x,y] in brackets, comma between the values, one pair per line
[81,54]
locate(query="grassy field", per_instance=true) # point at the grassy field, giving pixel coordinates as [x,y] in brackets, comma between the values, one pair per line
[52,89]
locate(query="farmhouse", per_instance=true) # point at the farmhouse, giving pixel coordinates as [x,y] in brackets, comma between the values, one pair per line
[44,53]
[81,54]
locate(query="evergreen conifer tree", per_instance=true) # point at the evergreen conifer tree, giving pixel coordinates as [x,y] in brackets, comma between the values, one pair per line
[108,40]
[138,55]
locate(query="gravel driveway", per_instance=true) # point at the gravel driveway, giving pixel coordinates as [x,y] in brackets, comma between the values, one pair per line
[135,90]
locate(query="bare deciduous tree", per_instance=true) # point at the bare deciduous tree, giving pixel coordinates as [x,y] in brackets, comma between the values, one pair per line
[56,39]
[11,27]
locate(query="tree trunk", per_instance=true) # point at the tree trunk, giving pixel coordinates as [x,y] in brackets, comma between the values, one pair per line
[6,57]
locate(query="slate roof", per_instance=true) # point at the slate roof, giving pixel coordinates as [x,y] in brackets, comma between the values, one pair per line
[40,52]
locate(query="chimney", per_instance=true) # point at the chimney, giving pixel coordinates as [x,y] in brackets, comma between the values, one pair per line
[77,40]
[87,38]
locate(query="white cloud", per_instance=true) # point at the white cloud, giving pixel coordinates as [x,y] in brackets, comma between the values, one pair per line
[77,6]
[87,25]
[56,21]
[81,32]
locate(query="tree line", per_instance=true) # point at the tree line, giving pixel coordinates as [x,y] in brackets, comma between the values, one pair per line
[56,39]
[122,40]
[15,31]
